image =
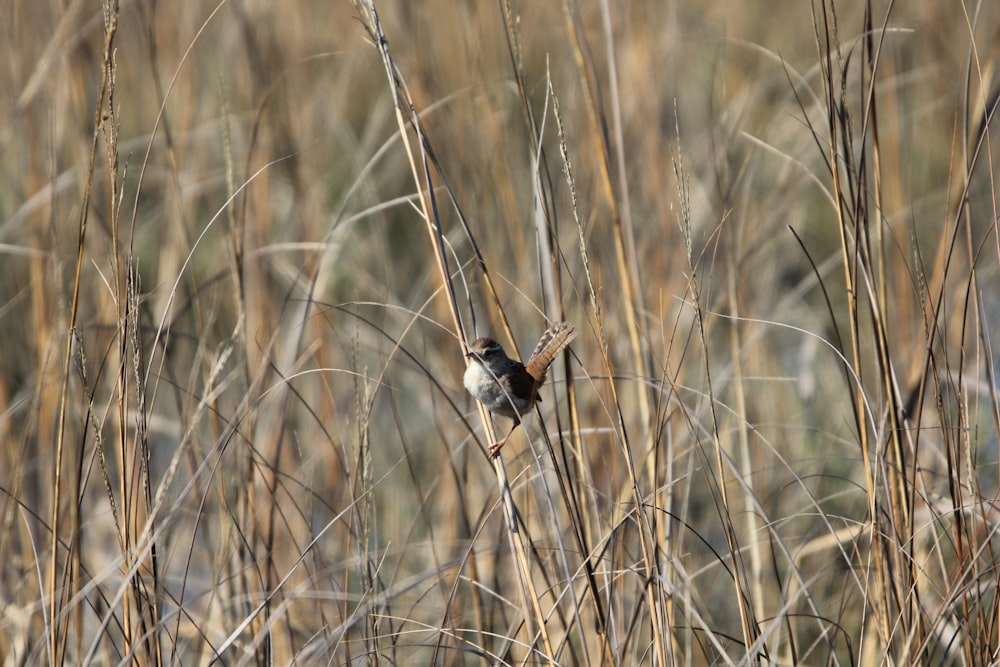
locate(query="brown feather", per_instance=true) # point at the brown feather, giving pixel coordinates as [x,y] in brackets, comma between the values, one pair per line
[555,339]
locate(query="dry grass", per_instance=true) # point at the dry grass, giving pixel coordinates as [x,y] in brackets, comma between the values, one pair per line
[243,245]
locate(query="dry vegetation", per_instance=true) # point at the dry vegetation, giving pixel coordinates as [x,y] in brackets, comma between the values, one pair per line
[243,245]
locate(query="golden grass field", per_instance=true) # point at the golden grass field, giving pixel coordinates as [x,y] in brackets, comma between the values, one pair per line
[243,247]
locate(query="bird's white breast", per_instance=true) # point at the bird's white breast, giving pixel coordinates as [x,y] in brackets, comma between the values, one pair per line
[483,386]
[480,383]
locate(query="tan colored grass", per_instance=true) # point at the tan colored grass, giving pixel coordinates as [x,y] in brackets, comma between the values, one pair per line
[242,244]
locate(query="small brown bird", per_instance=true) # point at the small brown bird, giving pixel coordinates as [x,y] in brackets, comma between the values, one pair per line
[506,386]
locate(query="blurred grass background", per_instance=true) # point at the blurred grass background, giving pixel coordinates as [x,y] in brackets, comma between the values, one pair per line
[233,426]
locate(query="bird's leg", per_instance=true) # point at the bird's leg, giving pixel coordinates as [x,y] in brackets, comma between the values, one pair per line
[498,445]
